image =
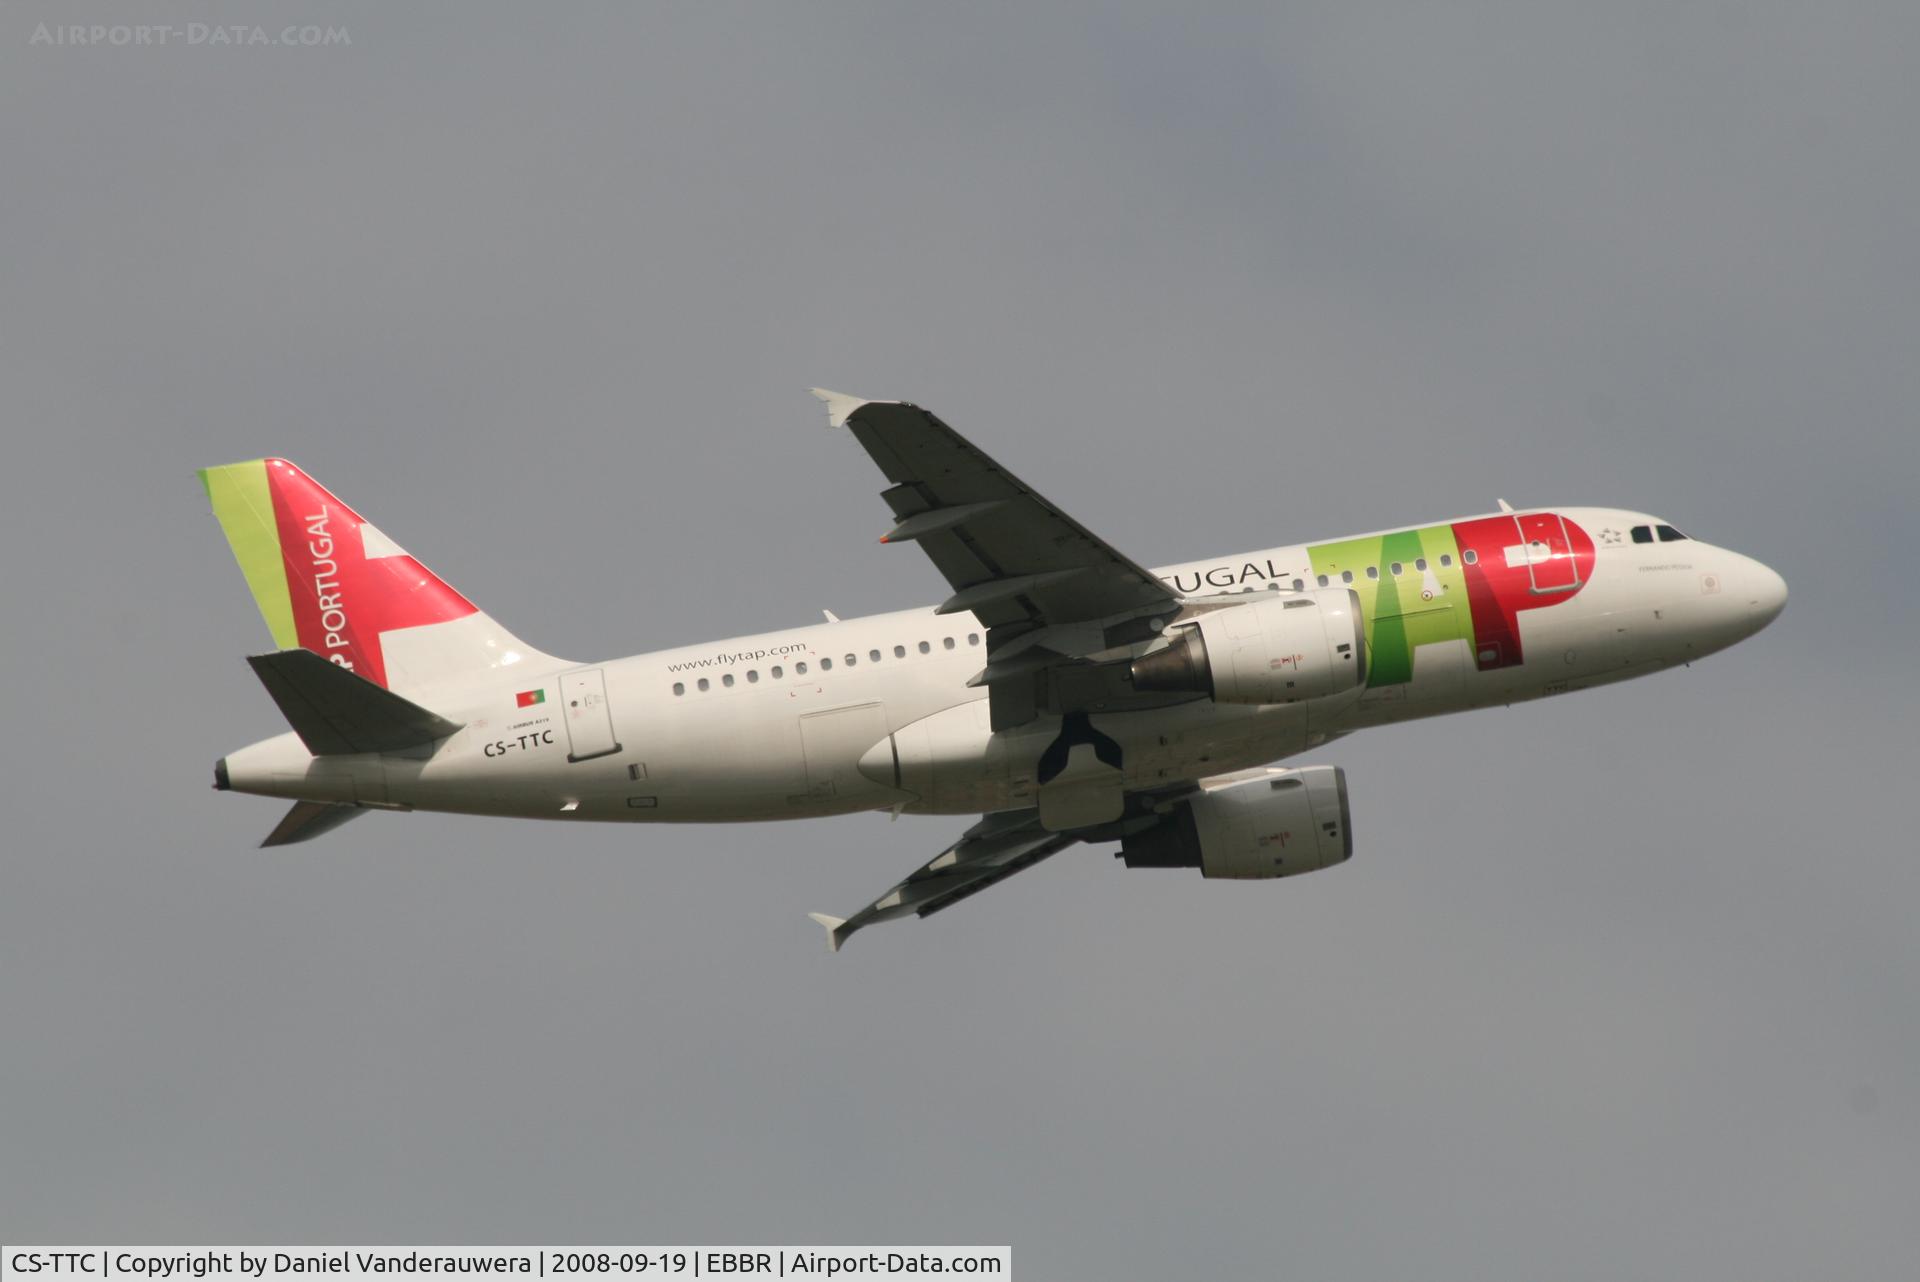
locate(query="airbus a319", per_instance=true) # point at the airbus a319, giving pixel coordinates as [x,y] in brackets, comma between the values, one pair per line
[1062,693]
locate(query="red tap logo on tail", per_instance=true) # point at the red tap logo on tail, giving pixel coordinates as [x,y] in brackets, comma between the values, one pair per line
[324,578]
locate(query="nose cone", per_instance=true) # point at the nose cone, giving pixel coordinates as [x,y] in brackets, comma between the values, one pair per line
[1763,591]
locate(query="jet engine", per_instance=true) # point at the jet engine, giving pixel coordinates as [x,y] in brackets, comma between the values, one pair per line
[1280,648]
[1277,825]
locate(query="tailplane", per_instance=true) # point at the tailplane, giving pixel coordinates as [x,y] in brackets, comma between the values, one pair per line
[310,819]
[329,581]
[336,712]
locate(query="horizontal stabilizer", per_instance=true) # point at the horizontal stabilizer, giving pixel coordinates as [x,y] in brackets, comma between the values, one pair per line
[309,819]
[335,711]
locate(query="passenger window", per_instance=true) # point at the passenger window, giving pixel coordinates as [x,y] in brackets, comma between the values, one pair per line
[1299,585]
[1446,559]
[1470,557]
[1346,576]
[800,669]
[753,676]
[973,638]
[727,680]
[1396,567]
[826,665]
[703,684]
[899,652]
[947,642]
[852,660]
[925,648]
[1643,534]
[776,672]
[873,656]
[1669,535]
[679,687]
[1419,564]
[1322,580]
[1373,572]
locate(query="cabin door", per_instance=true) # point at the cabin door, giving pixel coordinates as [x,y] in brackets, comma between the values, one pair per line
[583,696]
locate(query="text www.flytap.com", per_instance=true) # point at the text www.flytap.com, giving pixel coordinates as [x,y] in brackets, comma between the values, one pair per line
[725,659]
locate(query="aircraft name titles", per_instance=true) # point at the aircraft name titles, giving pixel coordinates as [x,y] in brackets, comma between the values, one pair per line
[326,589]
[1224,576]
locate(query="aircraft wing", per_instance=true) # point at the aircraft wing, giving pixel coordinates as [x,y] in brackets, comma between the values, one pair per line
[1047,588]
[994,849]
[1003,844]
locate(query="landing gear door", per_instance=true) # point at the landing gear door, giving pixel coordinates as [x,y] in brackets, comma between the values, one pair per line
[583,693]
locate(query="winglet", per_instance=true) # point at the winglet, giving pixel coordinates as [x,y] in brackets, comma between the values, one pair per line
[840,406]
[833,924]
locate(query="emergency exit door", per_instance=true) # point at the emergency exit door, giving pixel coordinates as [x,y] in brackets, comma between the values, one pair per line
[583,696]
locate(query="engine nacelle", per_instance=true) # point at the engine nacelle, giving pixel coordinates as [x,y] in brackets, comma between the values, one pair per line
[1288,822]
[1279,648]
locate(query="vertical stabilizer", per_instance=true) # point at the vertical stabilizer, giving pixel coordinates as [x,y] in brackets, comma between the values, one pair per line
[329,581]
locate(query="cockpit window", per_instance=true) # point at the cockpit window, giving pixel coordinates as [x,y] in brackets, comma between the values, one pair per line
[1643,534]
[1669,535]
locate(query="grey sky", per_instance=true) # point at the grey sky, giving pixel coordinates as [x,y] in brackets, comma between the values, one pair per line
[1617,986]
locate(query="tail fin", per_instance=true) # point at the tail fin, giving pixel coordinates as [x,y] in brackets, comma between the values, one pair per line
[328,581]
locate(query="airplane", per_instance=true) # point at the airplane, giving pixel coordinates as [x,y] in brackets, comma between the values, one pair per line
[1062,693]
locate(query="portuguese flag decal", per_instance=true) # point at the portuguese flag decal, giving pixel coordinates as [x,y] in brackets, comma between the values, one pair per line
[527,698]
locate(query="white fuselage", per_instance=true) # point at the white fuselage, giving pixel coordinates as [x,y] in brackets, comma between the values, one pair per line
[876,712]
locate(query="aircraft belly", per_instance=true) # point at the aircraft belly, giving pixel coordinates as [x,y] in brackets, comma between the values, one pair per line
[952,762]
[1200,739]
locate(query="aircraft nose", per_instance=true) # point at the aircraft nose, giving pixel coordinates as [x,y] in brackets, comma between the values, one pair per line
[1763,591]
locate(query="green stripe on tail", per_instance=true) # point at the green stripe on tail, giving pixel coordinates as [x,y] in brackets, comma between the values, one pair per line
[244,507]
